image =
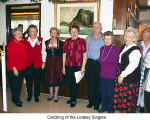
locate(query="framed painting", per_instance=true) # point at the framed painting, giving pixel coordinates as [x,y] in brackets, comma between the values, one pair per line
[83,13]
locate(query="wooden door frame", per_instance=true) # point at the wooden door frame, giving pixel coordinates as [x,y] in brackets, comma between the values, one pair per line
[8,16]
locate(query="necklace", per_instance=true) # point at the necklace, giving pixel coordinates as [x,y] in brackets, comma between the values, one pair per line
[103,58]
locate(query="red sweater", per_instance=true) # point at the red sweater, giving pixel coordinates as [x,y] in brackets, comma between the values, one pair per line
[16,55]
[34,54]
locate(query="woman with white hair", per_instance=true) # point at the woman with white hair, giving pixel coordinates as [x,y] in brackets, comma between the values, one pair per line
[127,84]
[16,65]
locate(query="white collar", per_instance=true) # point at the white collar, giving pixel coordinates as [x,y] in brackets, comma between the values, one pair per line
[129,46]
[145,49]
[33,43]
[143,45]
[29,39]
[125,49]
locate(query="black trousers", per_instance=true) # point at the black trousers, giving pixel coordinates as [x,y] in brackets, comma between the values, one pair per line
[93,79]
[16,85]
[33,76]
[147,101]
[70,76]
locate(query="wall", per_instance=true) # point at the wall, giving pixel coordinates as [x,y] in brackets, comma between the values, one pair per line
[148,2]
[144,16]
[143,2]
[47,16]
[106,14]
[2,24]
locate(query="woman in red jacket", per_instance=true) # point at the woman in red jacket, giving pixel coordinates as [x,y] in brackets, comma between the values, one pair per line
[34,63]
[16,65]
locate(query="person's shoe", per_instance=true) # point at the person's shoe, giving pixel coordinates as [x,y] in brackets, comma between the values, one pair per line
[141,110]
[73,104]
[56,99]
[18,103]
[96,108]
[29,99]
[50,98]
[69,101]
[89,106]
[36,99]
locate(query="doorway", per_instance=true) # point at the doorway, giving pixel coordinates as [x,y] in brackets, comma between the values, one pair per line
[24,14]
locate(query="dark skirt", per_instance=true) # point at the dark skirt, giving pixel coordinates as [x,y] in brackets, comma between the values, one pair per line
[53,71]
[125,97]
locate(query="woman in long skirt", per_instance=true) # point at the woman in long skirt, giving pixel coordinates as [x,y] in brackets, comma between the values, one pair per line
[53,57]
[127,85]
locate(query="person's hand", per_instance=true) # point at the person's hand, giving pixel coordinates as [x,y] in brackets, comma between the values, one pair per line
[15,71]
[120,79]
[83,69]
[64,70]
[43,66]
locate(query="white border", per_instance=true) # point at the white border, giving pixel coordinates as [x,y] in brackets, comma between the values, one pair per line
[74,116]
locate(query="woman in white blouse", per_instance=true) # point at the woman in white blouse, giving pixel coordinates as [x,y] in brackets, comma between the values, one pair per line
[146,82]
[145,71]
[127,85]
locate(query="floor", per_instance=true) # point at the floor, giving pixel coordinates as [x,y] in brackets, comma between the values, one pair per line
[45,106]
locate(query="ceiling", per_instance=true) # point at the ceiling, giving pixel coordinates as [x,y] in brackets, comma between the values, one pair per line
[25,12]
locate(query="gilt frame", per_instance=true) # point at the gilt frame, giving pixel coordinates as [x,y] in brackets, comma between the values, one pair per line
[65,12]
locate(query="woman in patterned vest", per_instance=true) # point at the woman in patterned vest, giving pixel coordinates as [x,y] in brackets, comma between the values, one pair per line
[127,84]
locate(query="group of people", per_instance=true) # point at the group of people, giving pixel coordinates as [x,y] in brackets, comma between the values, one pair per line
[24,60]
[113,74]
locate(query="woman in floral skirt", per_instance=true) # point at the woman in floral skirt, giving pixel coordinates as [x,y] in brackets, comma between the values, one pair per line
[127,84]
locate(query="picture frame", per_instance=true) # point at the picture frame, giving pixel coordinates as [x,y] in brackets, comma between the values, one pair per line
[83,13]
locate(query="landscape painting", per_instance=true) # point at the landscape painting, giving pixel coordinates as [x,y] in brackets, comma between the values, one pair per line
[83,14]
